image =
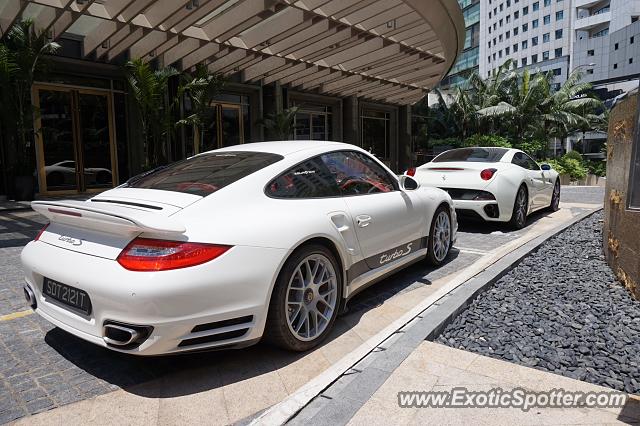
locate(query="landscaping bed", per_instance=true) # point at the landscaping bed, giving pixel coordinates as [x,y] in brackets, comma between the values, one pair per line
[560,310]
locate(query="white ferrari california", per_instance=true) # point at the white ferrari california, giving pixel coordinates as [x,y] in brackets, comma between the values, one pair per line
[494,184]
[220,249]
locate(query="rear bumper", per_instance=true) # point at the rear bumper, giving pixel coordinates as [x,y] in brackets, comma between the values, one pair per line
[479,209]
[214,296]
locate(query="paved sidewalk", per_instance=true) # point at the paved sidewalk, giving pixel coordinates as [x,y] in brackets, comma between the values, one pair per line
[435,367]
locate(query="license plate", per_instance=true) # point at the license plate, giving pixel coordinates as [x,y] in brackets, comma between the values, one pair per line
[71,297]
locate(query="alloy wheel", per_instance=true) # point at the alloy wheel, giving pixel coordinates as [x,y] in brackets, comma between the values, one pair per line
[555,200]
[521,207]
[442,236]
[311,297]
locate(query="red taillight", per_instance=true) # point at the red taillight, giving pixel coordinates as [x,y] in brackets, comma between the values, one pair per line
[40,233]
[145,254]
[411,171]
[487,174]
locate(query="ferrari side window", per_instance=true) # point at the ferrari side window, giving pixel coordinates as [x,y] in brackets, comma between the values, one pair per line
[310,179]
[519,160]
[356,174]
[531,164]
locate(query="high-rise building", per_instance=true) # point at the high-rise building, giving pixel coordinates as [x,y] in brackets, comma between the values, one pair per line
[467,62]
[534,33]
[605,39]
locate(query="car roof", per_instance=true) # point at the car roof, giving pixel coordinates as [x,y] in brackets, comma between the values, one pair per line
[285,147]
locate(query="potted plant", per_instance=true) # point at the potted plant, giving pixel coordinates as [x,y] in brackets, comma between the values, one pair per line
[22,61]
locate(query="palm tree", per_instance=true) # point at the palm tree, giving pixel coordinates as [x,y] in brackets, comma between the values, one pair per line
[22,60]
[201,87]
[148,88]
[281,125]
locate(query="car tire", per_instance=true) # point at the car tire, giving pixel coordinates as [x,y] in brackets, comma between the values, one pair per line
[555,198]
[520,209]
[440,234]
[302,311]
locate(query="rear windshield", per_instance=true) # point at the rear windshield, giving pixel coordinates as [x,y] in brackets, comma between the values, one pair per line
[478,155]
[205,173]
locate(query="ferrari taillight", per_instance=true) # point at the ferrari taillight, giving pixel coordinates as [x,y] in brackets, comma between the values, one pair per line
[487,174]
[44,228]
[145,254]
[411,171]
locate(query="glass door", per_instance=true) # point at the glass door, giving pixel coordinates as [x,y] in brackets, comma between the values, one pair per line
[75,140]
[230,125]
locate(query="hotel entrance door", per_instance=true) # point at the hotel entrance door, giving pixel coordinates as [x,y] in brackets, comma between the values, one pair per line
[75,140]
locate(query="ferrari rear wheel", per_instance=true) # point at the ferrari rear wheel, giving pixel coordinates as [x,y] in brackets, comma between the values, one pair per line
[520,209]
[439,243]
[305,299]
[555,198]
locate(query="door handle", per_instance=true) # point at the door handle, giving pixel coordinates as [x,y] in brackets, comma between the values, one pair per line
[363,220]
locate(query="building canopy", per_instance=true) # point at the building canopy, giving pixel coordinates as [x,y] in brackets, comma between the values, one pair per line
[382,50]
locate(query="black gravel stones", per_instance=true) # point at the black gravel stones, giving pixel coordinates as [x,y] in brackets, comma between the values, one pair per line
[560,310]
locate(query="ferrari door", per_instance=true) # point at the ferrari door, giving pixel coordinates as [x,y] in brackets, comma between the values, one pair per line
[389,223]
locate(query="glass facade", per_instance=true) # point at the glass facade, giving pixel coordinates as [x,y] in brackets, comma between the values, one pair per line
[468,61]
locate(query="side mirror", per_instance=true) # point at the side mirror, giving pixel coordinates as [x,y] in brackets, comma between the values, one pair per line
[545,167]
[408,183]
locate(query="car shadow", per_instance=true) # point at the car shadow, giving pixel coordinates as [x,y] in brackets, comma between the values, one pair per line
[479,226]
[187,374]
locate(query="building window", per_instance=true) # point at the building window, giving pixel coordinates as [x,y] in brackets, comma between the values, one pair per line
[555,87]
[524,62]
[524,44]
[515,31]
[630,60]
[590,71]
[546,37]
[535,24]
[634,19]
[507,34]
[500,23]
[547,3]
[489,59]
[534,41]
[500,38]
[501,7]
[534,58]
[500,53]
[558,52]
[494,56]
[559,15]
[591,52]
[506,50]
[525,10]
[557,71]
[631,40]
[313,122]
[489,15]
[495,26]
[615,66]
[508,18]
[525,28]
[515,48]
[615,46]
[558,34]
[516,14]
[545,55]
[536,6]
[547,19]
[489,30]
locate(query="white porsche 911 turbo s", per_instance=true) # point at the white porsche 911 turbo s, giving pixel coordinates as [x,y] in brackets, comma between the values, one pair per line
[214,251]
[494,184]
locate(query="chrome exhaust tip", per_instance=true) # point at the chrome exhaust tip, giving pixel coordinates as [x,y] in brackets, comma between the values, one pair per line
[30,297]
[118,335]
[124,336]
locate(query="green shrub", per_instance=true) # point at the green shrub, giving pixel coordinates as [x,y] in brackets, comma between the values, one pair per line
[534,147]
[556,165]
[598,168]
[574,168]
[487,140]
[575,155]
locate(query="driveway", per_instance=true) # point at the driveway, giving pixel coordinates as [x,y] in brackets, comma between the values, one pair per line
[43,367]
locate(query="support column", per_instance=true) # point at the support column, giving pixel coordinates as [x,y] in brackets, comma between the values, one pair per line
[405,154]
[272,103]
[351,121]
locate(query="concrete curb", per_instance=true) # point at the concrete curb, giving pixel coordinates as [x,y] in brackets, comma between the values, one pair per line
[423,322]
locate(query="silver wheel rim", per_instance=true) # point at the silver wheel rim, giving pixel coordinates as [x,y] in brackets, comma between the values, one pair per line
[311,297]
[521,207]
[556,195]
[441,236]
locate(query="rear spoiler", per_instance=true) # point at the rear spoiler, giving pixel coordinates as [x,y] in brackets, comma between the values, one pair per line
[107,218]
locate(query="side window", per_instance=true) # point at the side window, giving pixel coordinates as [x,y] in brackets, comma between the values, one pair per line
[310,179]
[519,160]
[357,174]
[531,164]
